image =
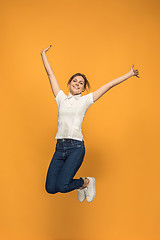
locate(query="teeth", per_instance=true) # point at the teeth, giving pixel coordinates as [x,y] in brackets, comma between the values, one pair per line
[76,87]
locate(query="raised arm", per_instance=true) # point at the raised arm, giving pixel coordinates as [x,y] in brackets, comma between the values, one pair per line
[53,81]
[98,93]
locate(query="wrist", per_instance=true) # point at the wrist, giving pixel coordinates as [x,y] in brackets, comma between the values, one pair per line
[131,74]
[43,52]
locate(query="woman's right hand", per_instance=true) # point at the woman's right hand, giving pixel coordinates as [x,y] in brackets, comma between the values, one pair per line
[46,49]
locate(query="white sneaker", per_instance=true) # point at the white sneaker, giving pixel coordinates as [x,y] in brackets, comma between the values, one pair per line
[90,191]
[81,194]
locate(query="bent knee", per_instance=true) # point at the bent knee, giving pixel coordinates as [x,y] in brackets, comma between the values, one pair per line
[50,189]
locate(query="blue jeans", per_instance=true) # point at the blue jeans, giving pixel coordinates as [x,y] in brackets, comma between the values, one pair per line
[66,161]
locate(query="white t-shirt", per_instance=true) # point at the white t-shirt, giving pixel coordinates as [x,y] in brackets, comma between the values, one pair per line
[71,111]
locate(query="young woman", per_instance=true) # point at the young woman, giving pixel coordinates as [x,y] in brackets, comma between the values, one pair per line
[70,147]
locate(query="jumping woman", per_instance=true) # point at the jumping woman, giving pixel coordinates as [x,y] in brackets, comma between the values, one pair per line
[70,148]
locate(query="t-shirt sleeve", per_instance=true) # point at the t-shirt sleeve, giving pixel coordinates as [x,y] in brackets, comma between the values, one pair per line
[59,97]
[88,100]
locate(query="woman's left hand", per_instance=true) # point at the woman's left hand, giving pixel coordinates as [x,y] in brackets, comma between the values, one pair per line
[134,72]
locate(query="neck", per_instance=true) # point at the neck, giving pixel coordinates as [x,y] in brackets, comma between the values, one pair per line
[74,94]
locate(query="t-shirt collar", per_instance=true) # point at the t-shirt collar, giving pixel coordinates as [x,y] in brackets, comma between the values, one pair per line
[76,96]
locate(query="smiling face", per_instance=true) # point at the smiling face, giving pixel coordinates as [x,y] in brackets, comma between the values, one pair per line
[77,85]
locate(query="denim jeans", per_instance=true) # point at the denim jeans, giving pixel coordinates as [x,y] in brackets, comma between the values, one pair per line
[67,159]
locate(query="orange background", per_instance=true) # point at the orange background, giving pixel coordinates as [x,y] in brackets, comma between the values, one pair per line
[101,39]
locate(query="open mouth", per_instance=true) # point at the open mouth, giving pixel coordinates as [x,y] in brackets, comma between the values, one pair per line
[75,87]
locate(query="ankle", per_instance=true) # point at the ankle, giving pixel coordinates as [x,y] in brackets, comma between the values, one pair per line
[86,182]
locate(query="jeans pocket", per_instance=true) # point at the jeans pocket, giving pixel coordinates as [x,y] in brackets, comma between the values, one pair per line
[77,143]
